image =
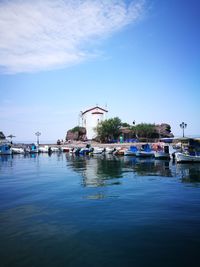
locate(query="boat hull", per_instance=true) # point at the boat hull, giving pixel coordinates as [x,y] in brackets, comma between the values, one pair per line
[16,150]
[144,154]
[181,157]
[161,155]
[129,153]
[5,149]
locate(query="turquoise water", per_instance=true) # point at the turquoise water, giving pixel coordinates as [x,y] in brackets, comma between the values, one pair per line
[98,211]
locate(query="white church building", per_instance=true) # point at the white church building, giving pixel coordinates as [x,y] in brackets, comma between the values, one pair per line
[90,119]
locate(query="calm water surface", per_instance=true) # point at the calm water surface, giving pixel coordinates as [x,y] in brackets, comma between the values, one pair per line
[98,211]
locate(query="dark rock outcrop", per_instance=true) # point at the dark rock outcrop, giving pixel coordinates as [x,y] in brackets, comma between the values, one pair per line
[164,130]
[2,136]
[76,134]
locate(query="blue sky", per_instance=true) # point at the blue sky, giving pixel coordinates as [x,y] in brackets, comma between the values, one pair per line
[140,58]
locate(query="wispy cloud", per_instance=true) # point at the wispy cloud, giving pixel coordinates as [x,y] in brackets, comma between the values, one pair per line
[45,34]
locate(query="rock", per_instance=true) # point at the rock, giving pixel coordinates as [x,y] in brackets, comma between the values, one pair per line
[2,136]
[76,134]
[164,130]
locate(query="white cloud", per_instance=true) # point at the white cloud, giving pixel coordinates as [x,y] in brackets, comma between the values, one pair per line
[45,34]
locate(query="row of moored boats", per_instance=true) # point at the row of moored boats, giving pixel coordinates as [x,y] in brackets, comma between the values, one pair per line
[159,152]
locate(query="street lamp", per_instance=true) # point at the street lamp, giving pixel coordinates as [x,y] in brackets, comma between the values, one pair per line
[183,125]
[38,134]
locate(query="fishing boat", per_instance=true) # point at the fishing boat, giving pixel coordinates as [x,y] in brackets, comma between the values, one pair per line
[98,150]
[5,149]
[119,151]
[17,150]
[43,149]
[184,157]
[190,150]
[109,150]
[54,149]
[32,149]
[145,151]
[162,153]
[131,151]
[65,149]
[86,151]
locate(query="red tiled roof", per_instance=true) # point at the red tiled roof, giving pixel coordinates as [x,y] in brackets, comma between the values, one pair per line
[97,112]
[94,109]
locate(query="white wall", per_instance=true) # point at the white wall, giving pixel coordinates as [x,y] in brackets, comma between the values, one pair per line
[90,121]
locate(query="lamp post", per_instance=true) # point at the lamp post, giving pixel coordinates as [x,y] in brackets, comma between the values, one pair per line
[183,125]
[135,131]
[38,134]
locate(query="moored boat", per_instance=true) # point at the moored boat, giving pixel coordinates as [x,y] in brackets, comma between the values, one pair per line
[131,151]
[5,149]
[119,151]
[98,150]
[17,150]
[184,157]
[85,151]
[43,149]
[65,149]
[32,149]
[145,151]
[54,149]
[162,153]
[109,150]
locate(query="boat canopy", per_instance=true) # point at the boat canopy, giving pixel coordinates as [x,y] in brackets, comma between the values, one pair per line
[133,148]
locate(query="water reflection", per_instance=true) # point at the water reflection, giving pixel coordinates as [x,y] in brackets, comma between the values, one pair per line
[105,170]
[189,173]
[108,170]
[6,161]
[151,167]
[97,170]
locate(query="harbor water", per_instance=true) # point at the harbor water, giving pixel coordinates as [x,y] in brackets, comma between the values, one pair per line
[67,211]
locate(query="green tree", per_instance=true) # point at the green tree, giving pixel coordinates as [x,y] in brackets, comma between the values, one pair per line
[125,124]
[145,130]
[76,129]
[109,129]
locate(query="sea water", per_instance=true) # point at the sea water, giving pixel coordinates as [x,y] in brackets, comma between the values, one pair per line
[60,210]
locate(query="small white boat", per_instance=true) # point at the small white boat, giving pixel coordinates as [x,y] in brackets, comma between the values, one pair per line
[17,150]
[54,149]
[32,149]
[109,150]
[98,150]
[162,153]
[183,157]
[43,149]
[5,149]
